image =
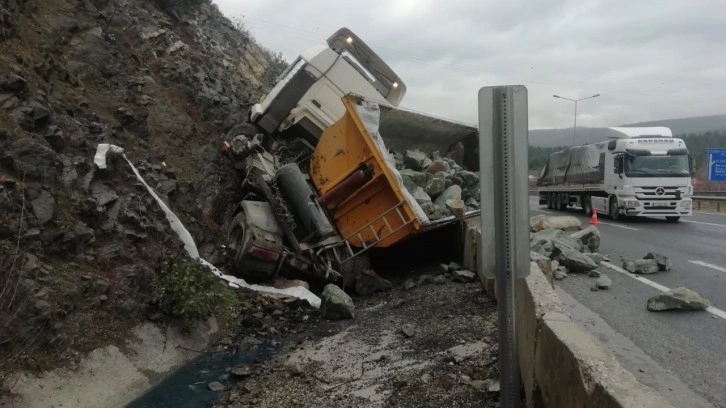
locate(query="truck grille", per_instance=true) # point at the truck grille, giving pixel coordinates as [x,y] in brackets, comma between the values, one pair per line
[658,193]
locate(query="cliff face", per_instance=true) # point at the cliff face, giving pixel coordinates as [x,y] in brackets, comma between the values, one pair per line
[79,246]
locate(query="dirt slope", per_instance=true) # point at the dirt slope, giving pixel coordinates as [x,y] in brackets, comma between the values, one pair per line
[79,246]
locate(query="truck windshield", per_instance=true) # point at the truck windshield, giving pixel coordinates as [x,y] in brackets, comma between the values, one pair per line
[657,166]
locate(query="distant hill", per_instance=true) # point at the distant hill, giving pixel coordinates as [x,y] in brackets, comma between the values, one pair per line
[683,126]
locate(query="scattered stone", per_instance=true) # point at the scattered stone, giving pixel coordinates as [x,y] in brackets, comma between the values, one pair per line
[451,193]
[664,264]
[565,223]
[435,187]
[573,260]
[408,330]
[216,386]
[421,197]
[641,266]
[463,276]
[426,378]
[468,178]
[414,159]
[593,274]
[589,237]
[368,282]
[603,282]
[560,274]
[453,267]
[438,166]
[409,284]
[440,280]
[444,268]
[594,288]
[336,304]
[678,299]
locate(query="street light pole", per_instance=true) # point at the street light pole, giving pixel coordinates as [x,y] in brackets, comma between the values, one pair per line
[574,127]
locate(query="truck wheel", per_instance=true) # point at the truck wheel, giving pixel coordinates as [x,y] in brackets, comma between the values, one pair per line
[550,201]
[561,206]
[246,129]
[351,269]
[614,213]
[673,218]
[587,205]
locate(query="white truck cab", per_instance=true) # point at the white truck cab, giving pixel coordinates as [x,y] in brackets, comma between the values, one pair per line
[308,93]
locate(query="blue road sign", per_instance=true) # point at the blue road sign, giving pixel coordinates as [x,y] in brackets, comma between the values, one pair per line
[716,164]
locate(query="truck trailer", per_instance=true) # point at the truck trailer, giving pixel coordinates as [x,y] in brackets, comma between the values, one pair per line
[638,172]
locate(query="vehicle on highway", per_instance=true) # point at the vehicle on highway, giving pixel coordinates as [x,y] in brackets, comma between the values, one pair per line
[639,172]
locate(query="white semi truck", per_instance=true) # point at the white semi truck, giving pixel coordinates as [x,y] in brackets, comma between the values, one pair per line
[639,172]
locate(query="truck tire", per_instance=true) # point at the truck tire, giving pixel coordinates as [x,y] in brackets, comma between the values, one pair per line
[586,205]
[673,218]
[351,269]
[561,206]
[247,129]
[614,212]
[550,203]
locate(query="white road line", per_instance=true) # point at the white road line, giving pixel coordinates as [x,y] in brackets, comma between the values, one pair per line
[704,223]
[708,265]
[619,226]
[714,311]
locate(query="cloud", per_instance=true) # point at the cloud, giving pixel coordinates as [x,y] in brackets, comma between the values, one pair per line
[649,59]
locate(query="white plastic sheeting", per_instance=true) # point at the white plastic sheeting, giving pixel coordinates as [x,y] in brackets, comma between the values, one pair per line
[189,245]
[370,114]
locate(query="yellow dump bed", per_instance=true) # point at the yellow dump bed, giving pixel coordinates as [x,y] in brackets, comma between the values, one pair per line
[378,210]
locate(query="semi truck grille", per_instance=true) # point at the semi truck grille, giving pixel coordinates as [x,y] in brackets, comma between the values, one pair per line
[658,193]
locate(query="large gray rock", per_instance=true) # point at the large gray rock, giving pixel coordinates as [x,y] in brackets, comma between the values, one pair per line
[572,259]
[565,223]
[463,276]
[451,193]
[438,166]
[547,235]
[420,196]
[678,299]
[641,266]
[414,159]
[336,304]
[43,207]
[570,243]
[413,179]
[664,264]
[435,186]
[468,178]
[589,237]
[603,282]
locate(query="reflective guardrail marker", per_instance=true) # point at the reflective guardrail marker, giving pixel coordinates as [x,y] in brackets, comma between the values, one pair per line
[503,140]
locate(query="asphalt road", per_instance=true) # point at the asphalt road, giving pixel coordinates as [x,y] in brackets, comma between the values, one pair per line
[689,345]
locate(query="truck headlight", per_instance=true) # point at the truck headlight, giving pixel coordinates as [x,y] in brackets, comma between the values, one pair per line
[686,204]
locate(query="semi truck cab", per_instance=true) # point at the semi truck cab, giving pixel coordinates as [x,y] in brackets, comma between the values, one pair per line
[308,94]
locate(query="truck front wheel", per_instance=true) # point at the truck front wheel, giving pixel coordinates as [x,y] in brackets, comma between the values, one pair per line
[586,205]
[614,212]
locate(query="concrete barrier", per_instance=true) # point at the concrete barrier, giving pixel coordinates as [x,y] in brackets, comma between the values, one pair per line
[562,365]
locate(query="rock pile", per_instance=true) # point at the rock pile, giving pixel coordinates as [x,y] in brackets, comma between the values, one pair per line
[560,244]
[440,186]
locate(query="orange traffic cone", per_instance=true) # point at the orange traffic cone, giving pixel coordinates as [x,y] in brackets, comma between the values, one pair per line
[594,220]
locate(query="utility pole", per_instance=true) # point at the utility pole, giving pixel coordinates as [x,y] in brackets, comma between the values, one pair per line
[574,127]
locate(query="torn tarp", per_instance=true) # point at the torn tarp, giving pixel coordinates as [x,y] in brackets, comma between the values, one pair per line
[189,245]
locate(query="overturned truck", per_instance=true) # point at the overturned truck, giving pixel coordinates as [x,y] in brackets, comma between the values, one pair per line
[316,212]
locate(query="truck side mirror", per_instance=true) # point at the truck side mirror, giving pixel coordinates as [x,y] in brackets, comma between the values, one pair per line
[691,164]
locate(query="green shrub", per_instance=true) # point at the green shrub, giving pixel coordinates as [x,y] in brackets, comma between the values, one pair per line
[189,290]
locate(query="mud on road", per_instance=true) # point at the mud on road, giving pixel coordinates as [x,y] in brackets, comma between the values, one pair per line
[433,345]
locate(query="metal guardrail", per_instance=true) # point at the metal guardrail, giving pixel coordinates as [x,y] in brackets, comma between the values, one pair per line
[697,200]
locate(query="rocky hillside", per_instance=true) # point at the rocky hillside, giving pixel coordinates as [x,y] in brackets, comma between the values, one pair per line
[80,247]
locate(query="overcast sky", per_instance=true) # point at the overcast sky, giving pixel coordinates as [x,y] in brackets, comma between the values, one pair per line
[650,59]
